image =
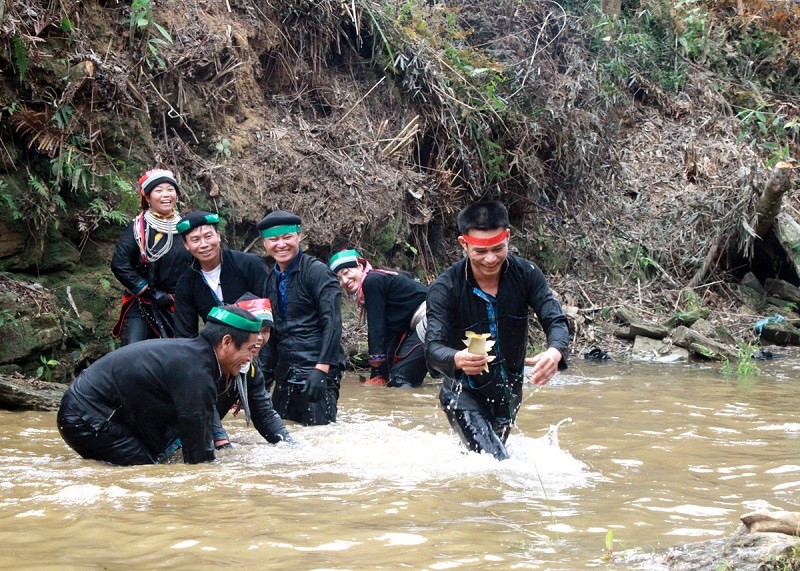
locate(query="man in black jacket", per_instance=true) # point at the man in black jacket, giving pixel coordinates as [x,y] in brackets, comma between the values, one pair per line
[483,301]
[306,340]
[217,275]
[130,405]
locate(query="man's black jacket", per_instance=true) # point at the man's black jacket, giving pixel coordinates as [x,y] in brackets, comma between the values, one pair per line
[157,389]
[311,330]
[241,273]
[453,309]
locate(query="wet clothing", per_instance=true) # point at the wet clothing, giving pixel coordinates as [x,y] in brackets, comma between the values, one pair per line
[257,403]
[128,407]
[241,273]
[456,305]
[306,306]
[131,267]
[390,301]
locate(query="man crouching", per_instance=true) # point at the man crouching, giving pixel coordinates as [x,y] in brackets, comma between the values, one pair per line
[128,407]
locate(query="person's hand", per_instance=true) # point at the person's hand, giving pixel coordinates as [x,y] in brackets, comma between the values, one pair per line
[161,299]
[470,363]
[315,385]
[544,365]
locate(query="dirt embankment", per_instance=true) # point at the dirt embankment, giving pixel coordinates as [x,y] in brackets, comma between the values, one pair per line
[376,124]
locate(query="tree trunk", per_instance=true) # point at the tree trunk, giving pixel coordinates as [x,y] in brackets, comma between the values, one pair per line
[770,202]
[766,211]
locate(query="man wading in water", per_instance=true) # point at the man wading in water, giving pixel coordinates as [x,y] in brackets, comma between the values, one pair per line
[487,295]
[129,406]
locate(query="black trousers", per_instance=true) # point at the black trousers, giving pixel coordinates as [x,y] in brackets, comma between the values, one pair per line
[139,324]
[480,428]
[409,367]
[97,438]
[291,404]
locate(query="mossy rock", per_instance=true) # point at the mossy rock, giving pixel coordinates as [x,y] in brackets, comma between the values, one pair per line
[27,337]
[393,232]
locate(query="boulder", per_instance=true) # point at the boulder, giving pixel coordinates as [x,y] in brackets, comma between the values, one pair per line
[782,290]
[18,392]
[743,550]
[703,346]
[657,350]
[31,322]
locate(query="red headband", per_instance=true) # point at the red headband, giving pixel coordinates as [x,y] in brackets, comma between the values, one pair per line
[493,241]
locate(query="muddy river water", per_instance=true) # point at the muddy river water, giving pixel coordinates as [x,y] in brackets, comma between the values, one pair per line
[660,454]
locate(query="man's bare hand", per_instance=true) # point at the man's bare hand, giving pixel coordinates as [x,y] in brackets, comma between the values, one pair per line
[470,363]
[544,365]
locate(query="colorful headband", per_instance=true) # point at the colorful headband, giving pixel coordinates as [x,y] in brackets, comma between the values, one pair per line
[152,178]
[260,307]
[493,241]
[225,317]
[344,259]
[280,230]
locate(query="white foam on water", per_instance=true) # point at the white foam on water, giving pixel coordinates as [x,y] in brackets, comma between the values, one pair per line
[338,545]
[376,453]
[32,513]
[786,486]
[88,494]
[185,544]
[787,427]
[692,510]
[391,539]
[784,469]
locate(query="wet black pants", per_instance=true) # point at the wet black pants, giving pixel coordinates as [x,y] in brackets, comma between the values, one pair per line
[291,404]
[472,421]
[97,438]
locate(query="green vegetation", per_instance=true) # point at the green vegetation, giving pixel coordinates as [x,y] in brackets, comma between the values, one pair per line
[750,50]
[142,19]
[789,561]
[45,370]
[608,554]
[745,366]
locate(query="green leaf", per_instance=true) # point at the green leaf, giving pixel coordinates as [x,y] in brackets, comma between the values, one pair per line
[21,58]
[610,539]
[163,32]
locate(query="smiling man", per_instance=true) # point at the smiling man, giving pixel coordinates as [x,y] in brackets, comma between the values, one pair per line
[487,295]
[128,407]
[306,339]
[216,276]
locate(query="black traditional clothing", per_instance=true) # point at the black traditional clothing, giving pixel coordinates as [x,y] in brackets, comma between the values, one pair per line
[390,300]
[482,408]
[152,258]
[306,302]
[130,405]
[255,403]
[241,273]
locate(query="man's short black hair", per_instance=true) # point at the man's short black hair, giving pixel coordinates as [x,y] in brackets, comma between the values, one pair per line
[485,215]
[213,332]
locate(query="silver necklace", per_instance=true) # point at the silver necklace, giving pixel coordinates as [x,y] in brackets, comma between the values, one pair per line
[165,226]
